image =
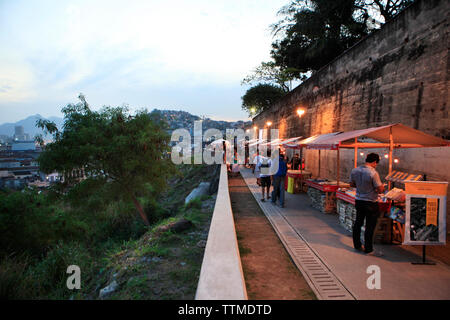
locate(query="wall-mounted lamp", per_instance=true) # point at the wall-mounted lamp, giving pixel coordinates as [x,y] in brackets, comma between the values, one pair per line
[269,123]
[301,112]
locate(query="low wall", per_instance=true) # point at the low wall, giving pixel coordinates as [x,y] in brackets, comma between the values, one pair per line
[221,276]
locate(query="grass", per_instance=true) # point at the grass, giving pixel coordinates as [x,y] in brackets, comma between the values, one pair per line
[112,244]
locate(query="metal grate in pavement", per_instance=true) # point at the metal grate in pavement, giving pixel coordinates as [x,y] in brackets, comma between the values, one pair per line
[322,281]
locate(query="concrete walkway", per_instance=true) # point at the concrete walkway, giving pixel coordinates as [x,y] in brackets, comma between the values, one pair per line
[330,245]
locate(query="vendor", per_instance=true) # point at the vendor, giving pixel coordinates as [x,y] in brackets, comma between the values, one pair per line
[295,162]
[368,185]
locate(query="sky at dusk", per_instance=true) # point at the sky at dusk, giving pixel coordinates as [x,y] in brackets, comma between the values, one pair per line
[180,55]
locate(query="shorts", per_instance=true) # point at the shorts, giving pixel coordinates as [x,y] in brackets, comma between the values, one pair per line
[265,182]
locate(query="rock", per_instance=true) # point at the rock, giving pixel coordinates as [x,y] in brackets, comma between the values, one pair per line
[201,244]
[177,226]
[108,290]
[202,189]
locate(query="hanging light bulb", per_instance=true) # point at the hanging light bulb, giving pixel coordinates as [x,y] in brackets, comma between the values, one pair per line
[396,160]
[386,156]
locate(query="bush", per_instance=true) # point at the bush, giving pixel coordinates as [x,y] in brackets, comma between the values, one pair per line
[13,283]
[29,223]
[49,275]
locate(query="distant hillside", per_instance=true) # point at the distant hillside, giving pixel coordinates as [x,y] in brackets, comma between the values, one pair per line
[29,125]
[183,119]
[175,119]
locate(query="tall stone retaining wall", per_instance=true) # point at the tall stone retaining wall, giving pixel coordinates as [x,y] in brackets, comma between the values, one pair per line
[398,74]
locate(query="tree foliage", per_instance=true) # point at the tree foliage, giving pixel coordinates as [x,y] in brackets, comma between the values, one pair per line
[115,149]
[312,33]
[270,73]
[388,9]
[261,97]
[316,31]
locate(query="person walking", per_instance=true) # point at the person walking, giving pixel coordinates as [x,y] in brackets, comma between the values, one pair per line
[278,181]
[256,168]
[265,178]
[368,185]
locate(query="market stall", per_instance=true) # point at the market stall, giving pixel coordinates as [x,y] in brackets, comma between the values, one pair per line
[295,180]
[300,177]
[392,204]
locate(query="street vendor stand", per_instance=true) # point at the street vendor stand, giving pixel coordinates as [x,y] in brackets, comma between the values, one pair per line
[391,136]
[300,177]
[321,191]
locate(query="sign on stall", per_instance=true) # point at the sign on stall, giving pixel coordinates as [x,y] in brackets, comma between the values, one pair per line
[426,203]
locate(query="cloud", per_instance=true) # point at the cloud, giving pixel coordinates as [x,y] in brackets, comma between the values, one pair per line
[55,49]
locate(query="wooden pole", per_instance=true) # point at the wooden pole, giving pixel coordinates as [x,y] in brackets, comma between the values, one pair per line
[391,147]
[356,152]
[338,165]
[319,164]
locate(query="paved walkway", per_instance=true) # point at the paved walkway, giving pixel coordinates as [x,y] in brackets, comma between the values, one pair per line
[324,253]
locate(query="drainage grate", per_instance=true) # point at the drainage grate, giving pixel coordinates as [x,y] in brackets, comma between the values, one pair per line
[319,277]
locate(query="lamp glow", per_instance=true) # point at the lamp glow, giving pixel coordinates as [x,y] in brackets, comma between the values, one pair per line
[301,112]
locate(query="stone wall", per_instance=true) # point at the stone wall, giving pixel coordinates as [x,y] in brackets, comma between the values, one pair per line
[398,74]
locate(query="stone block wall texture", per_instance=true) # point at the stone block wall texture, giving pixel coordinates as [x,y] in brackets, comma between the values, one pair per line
[398,74]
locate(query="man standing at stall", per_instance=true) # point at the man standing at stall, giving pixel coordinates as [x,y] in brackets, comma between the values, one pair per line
[368,185]
[295,162]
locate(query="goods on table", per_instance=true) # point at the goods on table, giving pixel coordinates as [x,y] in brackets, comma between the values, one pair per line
[347,216]
[397,214]
[396,194]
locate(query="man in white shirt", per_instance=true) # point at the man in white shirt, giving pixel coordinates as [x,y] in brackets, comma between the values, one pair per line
[265,178]
[256,169]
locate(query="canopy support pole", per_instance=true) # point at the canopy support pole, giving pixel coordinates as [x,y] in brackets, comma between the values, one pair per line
[356,152]
[338,166]
[391,147]
[319,164]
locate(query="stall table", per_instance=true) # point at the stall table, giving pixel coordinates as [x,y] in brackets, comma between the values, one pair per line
[297,180]
[323,194]
[345,199]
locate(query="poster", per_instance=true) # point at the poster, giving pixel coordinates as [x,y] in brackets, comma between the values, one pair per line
[425,221]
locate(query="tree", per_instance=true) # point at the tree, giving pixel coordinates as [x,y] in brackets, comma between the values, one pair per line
[316,31]
[114,148]
[270,73]
[388,9]
[312,33]
[261,97]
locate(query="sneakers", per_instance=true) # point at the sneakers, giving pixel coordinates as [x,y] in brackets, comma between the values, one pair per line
[374,253]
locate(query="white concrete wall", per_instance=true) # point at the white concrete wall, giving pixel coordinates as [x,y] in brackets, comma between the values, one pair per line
[221,276]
